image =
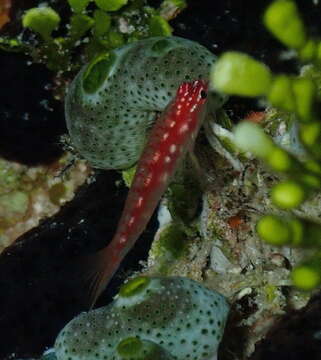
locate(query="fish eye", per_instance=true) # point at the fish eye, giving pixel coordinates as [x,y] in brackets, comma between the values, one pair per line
[203,94]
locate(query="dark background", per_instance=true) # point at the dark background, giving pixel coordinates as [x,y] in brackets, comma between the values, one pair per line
[38,294]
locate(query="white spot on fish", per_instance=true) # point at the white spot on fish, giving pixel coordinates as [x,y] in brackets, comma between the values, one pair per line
[193,108]
[183,128]
[172,148]
[131,221]
[148,179]
[156,156]
[139,201]
[122,239]
[167,159]
[172,124]
[165,136]
[178,112]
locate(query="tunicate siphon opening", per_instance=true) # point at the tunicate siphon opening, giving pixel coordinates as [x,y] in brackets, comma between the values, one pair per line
[97,71]
[161,46]
[129,346]
[134,286]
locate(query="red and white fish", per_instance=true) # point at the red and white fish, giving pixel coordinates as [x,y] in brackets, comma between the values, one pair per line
[170,138]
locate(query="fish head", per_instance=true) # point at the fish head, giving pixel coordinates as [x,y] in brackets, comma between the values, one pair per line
[193,92]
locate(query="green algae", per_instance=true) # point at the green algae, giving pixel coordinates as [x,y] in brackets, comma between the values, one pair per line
[42,20]
[91,30]
[15,202]
[183,201]
[172,241]
[300,97]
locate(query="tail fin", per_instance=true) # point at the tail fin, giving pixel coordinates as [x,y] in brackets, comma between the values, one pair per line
[95,270]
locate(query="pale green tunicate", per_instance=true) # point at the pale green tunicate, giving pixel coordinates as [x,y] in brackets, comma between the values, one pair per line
[113,100]
[173,317]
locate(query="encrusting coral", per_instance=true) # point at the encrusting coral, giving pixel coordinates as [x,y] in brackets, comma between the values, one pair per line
[171,317]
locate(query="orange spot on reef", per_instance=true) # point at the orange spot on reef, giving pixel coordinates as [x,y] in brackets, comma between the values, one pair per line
[5,6]
[235,221]
[255,116]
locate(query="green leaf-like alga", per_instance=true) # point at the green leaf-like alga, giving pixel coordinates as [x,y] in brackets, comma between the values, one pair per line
[110,5]
[42,20]
[239,74]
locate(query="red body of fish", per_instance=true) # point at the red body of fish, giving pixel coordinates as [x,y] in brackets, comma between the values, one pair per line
[172,135]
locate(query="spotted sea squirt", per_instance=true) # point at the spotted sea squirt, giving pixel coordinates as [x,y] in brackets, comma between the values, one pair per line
[113,101]
[170,318]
